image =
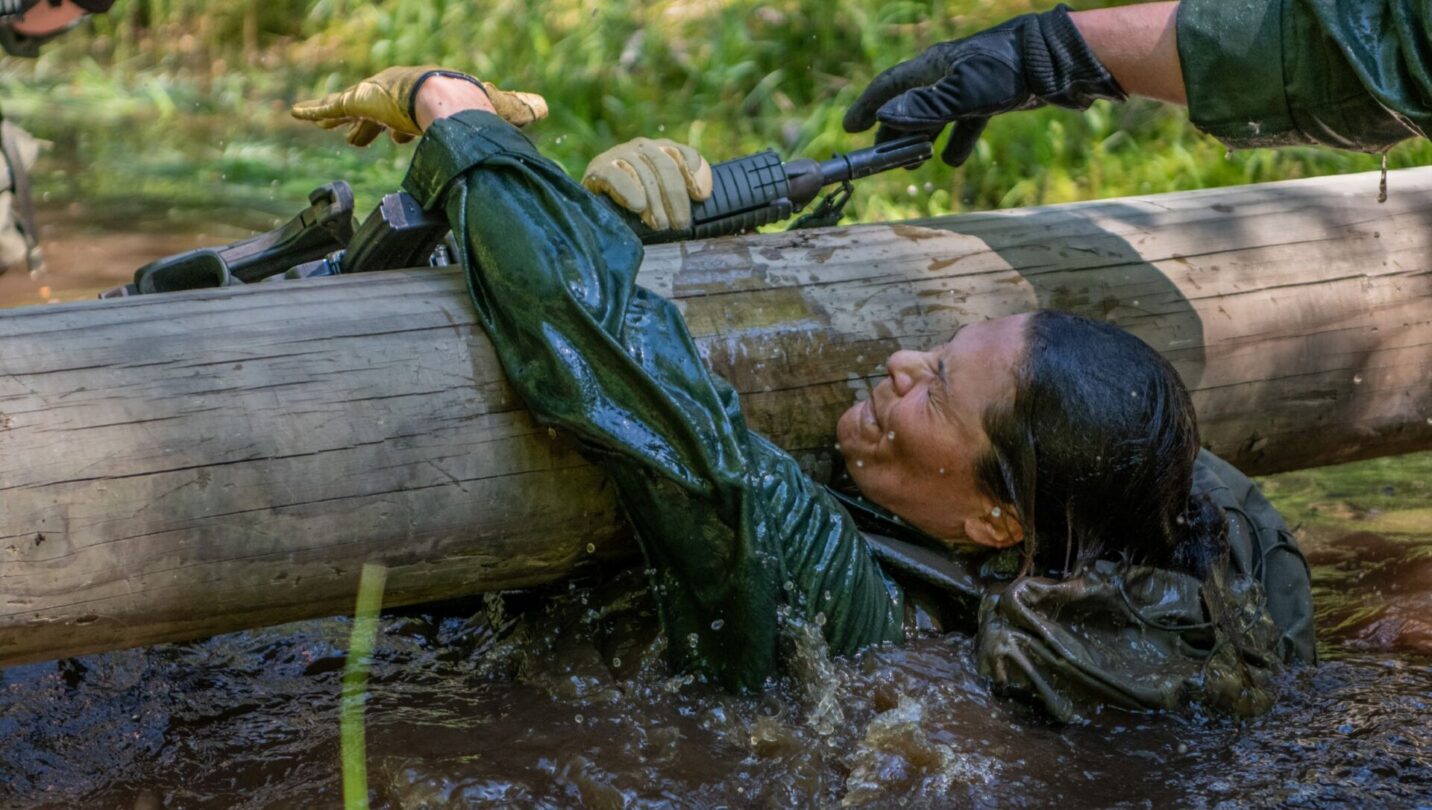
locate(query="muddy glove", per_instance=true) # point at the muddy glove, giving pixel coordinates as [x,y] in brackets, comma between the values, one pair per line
[1030,61]
[655,179]
[386,101]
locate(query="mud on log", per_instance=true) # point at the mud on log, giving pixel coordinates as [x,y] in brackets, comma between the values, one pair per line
[178,466]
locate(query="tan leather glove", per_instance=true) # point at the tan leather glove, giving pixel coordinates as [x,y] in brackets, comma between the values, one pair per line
[386,101]
[655,179]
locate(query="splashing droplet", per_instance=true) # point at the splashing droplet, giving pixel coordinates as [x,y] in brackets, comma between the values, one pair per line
[859,462]
[616,663]
[718,624]
[580,719]
[591,548]
[1382,184]
[1357,379]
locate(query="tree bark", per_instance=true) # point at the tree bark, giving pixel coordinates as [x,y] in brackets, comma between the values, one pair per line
[182,465]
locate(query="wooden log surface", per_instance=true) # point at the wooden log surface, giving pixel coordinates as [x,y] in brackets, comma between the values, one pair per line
[181,465]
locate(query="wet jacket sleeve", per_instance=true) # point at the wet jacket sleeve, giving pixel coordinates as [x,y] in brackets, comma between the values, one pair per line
[552,274]
[1354,75]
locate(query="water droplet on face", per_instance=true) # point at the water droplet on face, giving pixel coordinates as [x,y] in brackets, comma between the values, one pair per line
[995,512]
[859,463]
[942,471]
[591,548]
[718,624]
[890,435]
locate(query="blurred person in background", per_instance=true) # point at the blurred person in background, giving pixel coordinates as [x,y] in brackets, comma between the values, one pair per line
[25,25]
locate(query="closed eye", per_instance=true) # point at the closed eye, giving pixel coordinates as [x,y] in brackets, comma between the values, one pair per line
[939,388]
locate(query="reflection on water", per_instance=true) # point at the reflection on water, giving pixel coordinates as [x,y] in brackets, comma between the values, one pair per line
[562,699]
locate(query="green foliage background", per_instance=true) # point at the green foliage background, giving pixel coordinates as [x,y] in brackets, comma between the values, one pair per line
[184,100]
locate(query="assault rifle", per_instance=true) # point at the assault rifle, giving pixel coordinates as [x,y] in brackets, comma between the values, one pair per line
[747,193]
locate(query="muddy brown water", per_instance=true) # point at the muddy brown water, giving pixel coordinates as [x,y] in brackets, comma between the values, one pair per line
[561,698]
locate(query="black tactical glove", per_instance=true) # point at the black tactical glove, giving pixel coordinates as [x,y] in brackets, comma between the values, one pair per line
[1030,61]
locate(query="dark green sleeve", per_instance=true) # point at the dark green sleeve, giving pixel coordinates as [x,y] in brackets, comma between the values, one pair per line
[552,273]
[1354,75]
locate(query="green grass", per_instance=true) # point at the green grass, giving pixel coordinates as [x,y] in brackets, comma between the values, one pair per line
[1385,495]
[183,101]
[354,698]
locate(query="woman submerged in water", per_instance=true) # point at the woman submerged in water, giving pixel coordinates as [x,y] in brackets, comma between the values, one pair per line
[1046,470]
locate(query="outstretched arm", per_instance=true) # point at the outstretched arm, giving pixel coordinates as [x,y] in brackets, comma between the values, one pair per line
[1139,45]
[1253,73]
[725,519]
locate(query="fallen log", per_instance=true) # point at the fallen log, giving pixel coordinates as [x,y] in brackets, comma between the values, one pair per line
[182,465]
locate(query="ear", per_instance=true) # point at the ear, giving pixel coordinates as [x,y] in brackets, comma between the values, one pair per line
[996,532]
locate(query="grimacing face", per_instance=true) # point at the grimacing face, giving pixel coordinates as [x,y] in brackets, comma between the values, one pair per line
[911,446]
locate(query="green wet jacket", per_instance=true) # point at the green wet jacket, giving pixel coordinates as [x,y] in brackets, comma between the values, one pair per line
[732,528]
[1355,74]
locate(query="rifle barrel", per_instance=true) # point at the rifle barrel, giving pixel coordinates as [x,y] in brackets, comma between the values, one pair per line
[901,153]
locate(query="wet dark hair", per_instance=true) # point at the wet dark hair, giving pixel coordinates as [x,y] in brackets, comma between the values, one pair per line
[1096,453]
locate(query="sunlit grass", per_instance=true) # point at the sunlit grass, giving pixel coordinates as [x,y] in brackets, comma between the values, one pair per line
[1387,495]
[355,685]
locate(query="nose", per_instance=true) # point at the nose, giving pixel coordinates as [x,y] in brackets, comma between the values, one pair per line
[906,369]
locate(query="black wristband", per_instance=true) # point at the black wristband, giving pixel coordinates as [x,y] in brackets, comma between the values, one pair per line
[418,85]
